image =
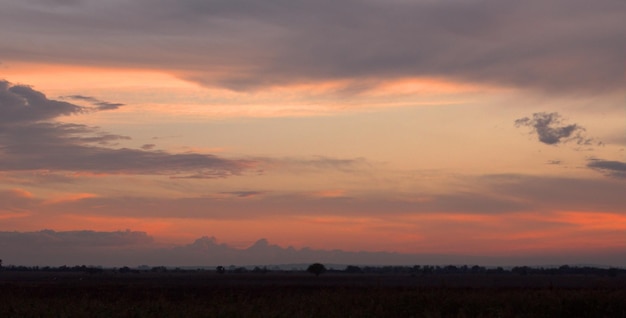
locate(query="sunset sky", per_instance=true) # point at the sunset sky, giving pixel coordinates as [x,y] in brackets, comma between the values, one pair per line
[483,128]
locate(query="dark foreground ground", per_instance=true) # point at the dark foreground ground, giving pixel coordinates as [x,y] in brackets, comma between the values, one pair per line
[208,294]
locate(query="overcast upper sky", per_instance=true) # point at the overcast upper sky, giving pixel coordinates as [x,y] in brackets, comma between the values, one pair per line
[412,131]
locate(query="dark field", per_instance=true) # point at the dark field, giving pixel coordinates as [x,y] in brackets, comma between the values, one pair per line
[297,294]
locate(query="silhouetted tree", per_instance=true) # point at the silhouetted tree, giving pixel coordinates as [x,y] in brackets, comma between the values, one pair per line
[353,269]
[220,269]
[159,269]
[260,270]
[316,268]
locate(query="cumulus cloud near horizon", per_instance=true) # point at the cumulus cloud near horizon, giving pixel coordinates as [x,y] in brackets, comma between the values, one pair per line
[134,248]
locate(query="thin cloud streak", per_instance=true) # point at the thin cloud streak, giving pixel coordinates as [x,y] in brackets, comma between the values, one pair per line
[100,105]
[492,195]
[610,167]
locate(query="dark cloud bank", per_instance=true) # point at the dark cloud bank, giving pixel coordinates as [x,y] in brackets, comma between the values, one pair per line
[129,248]
[572,46]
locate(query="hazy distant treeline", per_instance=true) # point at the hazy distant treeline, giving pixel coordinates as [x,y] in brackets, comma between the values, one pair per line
[350,269]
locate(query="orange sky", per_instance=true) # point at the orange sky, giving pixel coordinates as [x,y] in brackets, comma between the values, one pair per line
[470,134]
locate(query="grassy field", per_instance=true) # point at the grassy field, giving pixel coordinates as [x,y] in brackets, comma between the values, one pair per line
[285,294]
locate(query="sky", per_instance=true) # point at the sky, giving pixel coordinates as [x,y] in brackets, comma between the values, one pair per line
[350,131]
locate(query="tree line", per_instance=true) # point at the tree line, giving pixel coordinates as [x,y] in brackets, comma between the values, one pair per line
[318,269]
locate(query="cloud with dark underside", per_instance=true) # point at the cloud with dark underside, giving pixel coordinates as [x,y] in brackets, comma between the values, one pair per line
[99,104]
[30,139]
[551,130]
[573,46]
[611,168]
[22,104]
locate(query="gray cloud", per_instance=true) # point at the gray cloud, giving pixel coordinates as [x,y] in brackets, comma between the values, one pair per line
[48,247]
[244,194]
[148,146]
[100,105]
[552,46]
[611,168]
[31,140]
[236,206]
[492,195]
[130,248]
[486,195]
[551,131]
[318,162]
[562,193]
[79,238]
[19,104]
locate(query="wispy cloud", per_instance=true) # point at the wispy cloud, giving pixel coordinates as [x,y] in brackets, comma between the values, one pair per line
[100,105]
[148,146]
[609,167]
[243,194]
[32,140]
[496,197]
[17,200]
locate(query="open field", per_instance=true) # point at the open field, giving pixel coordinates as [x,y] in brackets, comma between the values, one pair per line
[297,294]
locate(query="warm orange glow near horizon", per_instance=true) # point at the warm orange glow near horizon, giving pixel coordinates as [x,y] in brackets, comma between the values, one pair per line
[478,235]
[252,121]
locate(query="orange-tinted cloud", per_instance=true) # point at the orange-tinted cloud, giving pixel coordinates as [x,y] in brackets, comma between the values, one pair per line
[336,193]
[19,193]
[64,198]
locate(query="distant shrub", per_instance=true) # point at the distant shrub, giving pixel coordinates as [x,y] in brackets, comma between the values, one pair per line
[316,268]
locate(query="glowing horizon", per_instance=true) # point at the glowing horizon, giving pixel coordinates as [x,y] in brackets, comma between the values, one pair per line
[383,130]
